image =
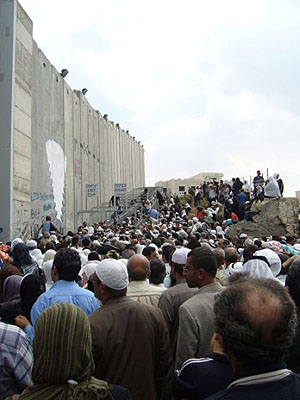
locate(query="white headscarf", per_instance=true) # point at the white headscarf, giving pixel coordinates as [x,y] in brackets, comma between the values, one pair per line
[49,255]
[257,269]
[47,267]
[272,188]
[272,257]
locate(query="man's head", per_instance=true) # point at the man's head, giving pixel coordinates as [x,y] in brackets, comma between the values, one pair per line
[231,255]
[258,173]
[167,251]
[48,218]
[110,279]
[150,252]
[201,267]
[86,242]
[158,271]
[220,256]
[293,281]
[178,262]
[138,267]
[255,322]
[127,253]
[66,265]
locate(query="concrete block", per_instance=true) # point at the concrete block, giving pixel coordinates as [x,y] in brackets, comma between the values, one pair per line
[22,144]
[22,99]
[22,166]
[24,36]
[22,122]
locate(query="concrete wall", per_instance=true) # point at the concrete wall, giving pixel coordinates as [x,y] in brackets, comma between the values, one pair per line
[22,142]
[7,74]
[61,144]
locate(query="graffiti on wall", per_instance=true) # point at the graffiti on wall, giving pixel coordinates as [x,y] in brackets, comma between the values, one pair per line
[35,196]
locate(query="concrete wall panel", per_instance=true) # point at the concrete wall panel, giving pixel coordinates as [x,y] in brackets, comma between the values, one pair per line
[60,144]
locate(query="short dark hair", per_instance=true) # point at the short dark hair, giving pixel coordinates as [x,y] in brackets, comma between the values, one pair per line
[167,251]
[158,271]
[86,241]
[93,255]
[231,254]
[293,281]
[68,264]
[148,250]
[220,256]
[261,333]
[203,257]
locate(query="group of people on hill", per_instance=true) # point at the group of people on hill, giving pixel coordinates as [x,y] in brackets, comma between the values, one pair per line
[176,308]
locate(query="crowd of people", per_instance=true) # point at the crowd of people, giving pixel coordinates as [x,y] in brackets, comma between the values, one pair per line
[175,308]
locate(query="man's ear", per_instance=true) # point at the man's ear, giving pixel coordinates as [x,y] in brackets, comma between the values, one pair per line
[54,272]
[218,338]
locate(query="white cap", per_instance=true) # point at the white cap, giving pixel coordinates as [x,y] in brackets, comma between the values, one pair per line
[180,255]
[31,243]
[243,235]
[113,273]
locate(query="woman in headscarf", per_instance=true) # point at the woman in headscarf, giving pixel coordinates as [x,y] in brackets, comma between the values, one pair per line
[49,255]
[11,293]
[32,286]
[4,273]
[272,189]
[11,288]
[23,260]
[63,363]
[47,267]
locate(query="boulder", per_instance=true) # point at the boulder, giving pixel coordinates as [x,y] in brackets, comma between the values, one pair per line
[276,217]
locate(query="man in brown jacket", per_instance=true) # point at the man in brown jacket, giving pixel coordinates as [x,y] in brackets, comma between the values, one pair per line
[130,339]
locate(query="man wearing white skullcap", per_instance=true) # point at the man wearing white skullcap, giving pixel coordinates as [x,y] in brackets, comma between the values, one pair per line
[130,339]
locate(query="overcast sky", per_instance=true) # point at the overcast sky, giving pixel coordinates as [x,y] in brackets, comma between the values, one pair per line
[206,86]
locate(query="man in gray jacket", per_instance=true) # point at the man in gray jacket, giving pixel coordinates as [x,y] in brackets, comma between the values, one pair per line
[196,315]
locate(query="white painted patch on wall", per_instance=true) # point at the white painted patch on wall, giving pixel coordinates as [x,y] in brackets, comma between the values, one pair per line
[57,166]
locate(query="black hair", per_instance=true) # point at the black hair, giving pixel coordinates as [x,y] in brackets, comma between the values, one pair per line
[293,281]
[157,241]
[203,257]
[75,241]
[148,250]
[86,242]
[158,271]
[231,255]
[50,246]
[93,255]
[167,251]
[68,264]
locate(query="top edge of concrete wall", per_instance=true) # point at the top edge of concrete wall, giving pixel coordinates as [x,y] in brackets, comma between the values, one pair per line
[28,23]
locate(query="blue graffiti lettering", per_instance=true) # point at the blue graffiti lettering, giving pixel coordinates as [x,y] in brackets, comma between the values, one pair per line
[47,207]
[34,196]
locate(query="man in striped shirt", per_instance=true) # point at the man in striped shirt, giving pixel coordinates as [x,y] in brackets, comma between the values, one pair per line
[15,360]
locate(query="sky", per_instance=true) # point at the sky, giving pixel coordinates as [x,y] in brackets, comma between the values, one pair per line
[206,86]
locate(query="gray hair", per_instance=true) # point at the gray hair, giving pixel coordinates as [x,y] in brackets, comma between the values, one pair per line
[256,319]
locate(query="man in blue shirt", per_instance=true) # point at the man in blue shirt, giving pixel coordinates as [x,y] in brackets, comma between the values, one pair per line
[66,267]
